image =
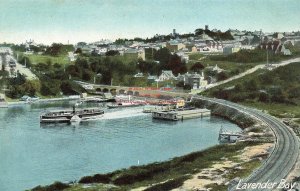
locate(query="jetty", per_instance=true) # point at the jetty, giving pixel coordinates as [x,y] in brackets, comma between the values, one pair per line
[181,114]
[230,136]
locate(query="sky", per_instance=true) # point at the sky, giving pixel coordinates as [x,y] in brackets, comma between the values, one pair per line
[48,21]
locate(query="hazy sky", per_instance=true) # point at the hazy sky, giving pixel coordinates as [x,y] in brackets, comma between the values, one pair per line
[48,21]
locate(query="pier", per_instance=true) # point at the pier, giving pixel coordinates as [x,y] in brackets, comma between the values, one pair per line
[228,135]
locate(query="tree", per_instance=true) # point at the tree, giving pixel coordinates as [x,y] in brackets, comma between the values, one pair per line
[57,48]
[66,88]
[82,63]
[252,85]
[112,53]
[86,75]
[50,88]
[78,51]
[264,97]
[54,49]
[222,76]
[294,92]
[197,67]
[238,87]
[31,87]
[176,65]
[199,31]
[163,56]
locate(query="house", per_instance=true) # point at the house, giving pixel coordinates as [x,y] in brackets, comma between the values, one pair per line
[166,75]
[140,53]
[174,46]
[151,78]
[191,48]
[184,57]
[138,75]
[279,35]
[286,51]
[195,80]
[102,51]
[71,56]
[215,68]
[230,49]
[6,50]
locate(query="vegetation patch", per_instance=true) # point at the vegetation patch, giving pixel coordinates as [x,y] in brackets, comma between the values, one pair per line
[277,91]
[168,185]
[56,186]
[245,169]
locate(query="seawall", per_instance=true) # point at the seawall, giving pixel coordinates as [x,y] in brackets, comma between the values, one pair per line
[240,118]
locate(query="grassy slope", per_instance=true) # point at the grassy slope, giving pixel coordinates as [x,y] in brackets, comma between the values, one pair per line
[61,59]
[276,109]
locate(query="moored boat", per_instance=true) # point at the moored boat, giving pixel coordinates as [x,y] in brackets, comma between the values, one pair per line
[125,104]
[66,116]
[94,99]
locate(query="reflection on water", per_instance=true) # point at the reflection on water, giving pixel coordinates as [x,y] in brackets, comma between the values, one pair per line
[33,154]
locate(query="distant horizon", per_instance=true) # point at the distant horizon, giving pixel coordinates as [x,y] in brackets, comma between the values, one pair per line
[130,38]
[63,21]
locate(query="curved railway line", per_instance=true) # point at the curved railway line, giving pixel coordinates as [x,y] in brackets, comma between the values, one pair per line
[284,155]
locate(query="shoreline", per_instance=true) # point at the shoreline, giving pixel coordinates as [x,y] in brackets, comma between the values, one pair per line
[152,177]
[42,100]
[209,168]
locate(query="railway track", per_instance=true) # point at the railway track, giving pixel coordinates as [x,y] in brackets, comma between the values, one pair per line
[284,155]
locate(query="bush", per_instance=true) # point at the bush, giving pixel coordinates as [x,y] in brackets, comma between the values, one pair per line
[56,186]
[169,185]
[97,178]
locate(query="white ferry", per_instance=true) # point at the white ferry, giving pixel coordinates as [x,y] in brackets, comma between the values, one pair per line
[121,104]
[66,116]
[126,103]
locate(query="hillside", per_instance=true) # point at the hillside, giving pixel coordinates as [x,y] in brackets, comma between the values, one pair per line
[277,91]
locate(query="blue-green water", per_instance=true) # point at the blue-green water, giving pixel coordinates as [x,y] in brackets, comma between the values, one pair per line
[31,154]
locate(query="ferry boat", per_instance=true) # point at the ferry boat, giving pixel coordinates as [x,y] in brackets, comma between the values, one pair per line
[126,103]
[121,104]
[94,99]
[181,114]
[67,116]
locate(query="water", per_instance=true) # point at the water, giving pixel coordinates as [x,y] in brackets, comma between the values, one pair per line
[32,154]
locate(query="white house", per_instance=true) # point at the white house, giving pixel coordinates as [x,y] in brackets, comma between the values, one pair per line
[285,51]
[139,75]
[71,56]
[195,80]
[166,75]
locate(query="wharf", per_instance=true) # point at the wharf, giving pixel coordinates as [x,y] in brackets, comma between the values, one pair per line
[181,114]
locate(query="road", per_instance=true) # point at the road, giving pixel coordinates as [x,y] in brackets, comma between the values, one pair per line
[252,70]
[284,155]
[22,69]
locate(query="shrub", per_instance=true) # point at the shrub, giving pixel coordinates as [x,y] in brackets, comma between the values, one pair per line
[169,185]
[56,186]
[97,178]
